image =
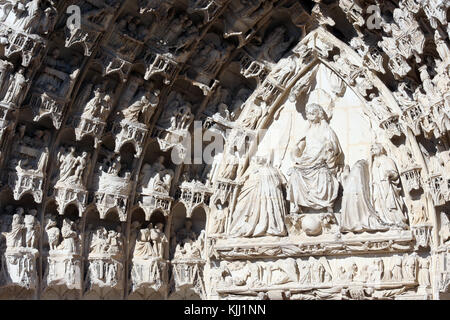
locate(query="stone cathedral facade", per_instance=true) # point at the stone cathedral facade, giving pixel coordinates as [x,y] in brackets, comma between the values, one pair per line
[224,149]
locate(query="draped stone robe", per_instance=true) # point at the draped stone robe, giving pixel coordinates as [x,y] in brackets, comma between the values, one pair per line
[358,213]
[261,207]
[313,183]
[386,191]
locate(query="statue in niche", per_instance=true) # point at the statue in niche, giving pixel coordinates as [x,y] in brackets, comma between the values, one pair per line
[223,112]
[134,233]
[185,244]
[98,107]
[36,162]
[16,88]
[80,171]
[57,62]
[15,237]
[25,229]
[150,242]
[156,178]
[386,189]
[238,102]
[53,233]
[420,214]
[358,213]
[220,97]
[275,45]
[220,218]
[181,118]
[115,241]
[48,20]
[185,234]
[406,158]
[251,119]
[54,82]
[103,241]
[177,113]
[5,73]
[261,207]
[143,108]
[143,247]
[246,13]
[441,45]
[318,158]
[410,38]
[159,239]
[112,166]
[70,242]
[209,57]
[190,249]
[32,229]
[404,94]
[288,69]
[438,162]
[133,27]
[231,163]
[424,272]
[73,169]
[379,108]
[97,243]
[176,27]
[70,235]
[66,163]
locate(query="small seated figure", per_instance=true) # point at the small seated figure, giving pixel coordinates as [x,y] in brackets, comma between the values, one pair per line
[156,178]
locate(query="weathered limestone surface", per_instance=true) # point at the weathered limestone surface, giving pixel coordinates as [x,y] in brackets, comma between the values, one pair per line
[333,181]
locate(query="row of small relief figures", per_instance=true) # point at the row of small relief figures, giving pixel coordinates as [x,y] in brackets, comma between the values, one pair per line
[409,269]
[21,232]
[104,250]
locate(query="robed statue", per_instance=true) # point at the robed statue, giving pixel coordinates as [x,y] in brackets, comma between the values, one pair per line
[261,207]
[318,157]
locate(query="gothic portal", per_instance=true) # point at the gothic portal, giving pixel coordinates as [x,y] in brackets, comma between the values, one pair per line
[224,149]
